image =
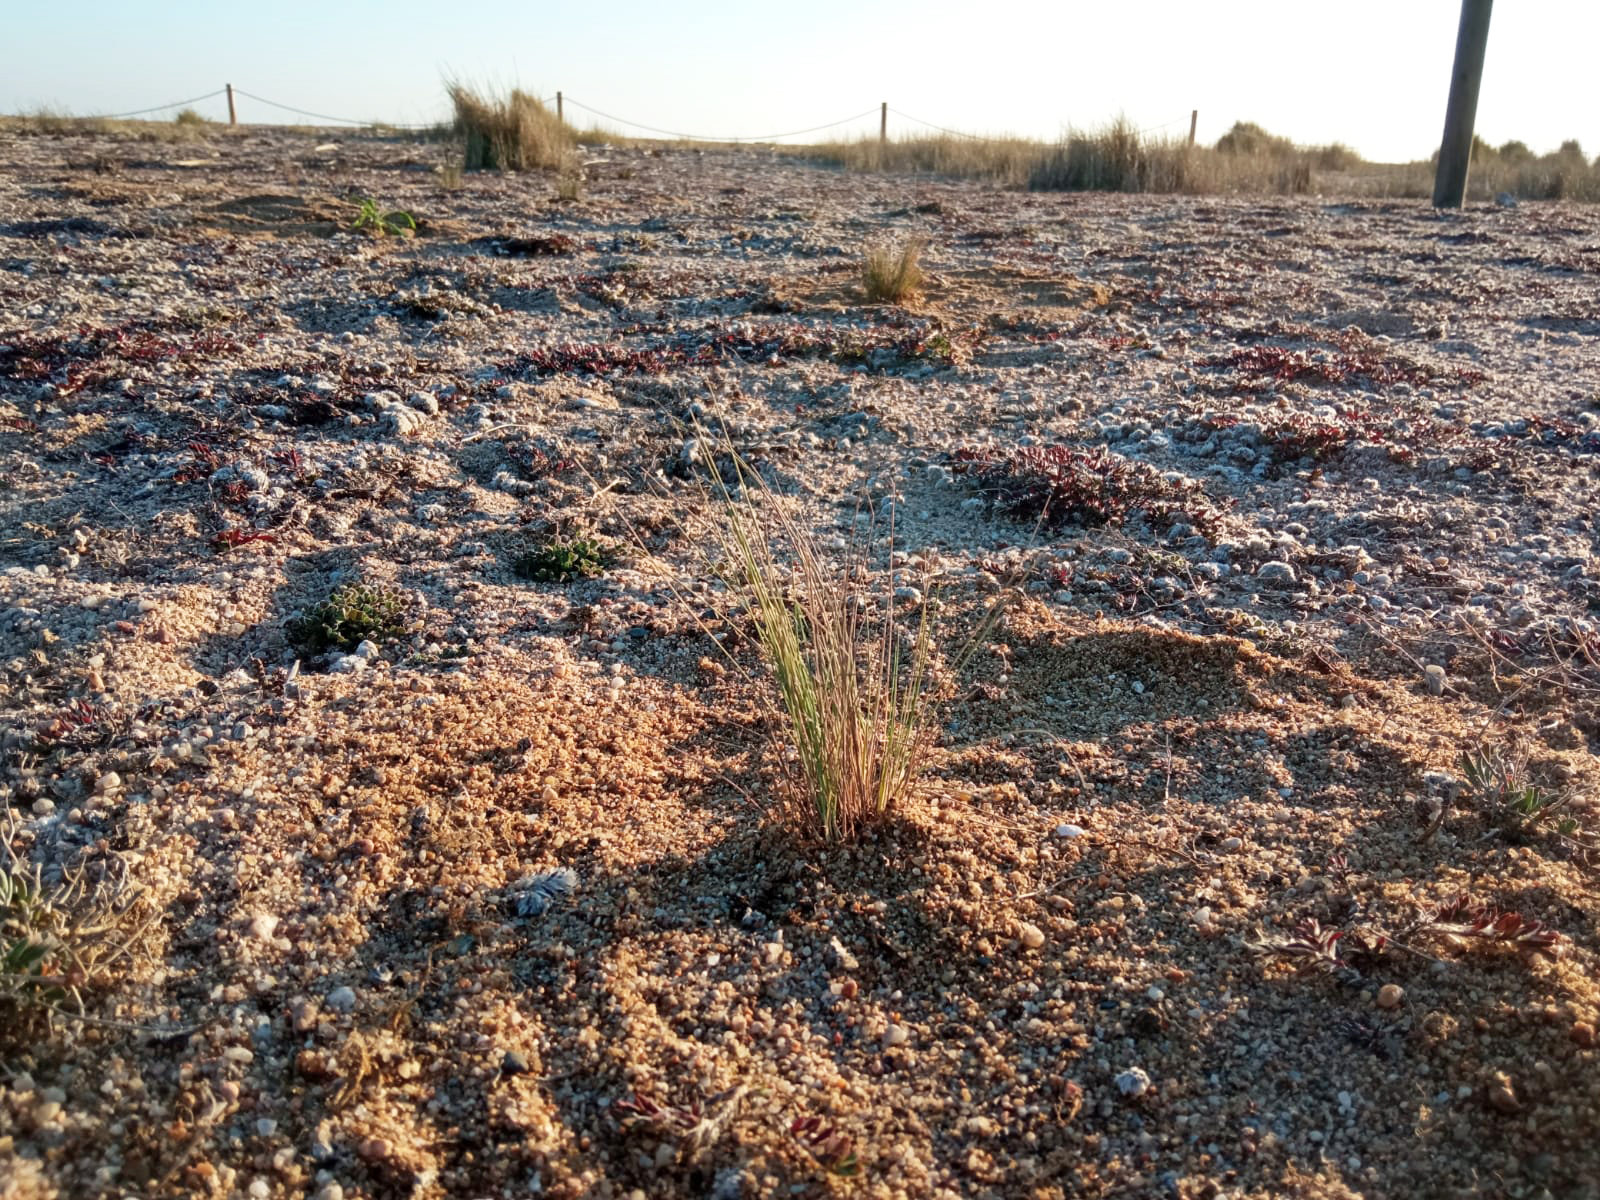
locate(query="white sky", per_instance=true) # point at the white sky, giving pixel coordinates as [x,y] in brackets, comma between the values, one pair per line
[1373,75]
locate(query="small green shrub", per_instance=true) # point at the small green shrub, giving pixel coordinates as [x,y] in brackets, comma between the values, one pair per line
[379,222]
[892,274]
[558,562]
[350,615]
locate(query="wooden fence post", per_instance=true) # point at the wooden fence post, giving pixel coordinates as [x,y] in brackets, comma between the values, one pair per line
[883,124]
[559,115]
[1455,148]
[1194,121]
[233,117]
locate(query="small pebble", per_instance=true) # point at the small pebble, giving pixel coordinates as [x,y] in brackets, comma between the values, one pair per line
[1031,936]
[341,999]
[330,1191]
[1390,995]
[1503,1096]
[263,926]
[896,1035]
[514,1063]
[1433,677]
[1133,1082]
[1070,832]
[1583,1034]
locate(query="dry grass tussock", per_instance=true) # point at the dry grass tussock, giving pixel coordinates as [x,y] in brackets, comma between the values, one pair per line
[891,274]
[510,133]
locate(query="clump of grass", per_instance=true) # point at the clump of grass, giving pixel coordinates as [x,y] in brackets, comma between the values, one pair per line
[450,177]
[892,274]
[852,676]
[188,117]
[351,614]
[510,133]
[381,222]
[557,562]
[569,186]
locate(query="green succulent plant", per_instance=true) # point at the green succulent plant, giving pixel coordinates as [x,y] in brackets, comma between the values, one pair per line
[557,562]
[351,614]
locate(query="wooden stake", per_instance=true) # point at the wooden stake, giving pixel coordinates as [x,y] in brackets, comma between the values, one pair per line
[233,117]
[559,115]
[1194,120]
[1455,148]
[883,124]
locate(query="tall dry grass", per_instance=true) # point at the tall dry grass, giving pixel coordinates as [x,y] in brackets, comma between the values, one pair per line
[509,133]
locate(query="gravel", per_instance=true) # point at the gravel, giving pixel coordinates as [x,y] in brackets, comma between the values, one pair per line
[502,900]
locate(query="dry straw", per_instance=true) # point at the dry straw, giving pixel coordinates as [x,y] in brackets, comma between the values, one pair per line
[509,133]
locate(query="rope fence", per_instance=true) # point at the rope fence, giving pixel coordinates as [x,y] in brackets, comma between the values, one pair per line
[560,100]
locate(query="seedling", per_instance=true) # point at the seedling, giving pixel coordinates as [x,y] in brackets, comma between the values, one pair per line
[1511,799]
[379,222]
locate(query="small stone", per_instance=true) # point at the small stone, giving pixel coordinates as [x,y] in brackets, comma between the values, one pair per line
[45,1112]
[1031,936]
[266,1127]
[373,1149]
[771,952]
[1229,844]
[260,1189]
[896,1035]
[1390,995]
[341,999]
[1583,1033]
[263,926]
[1133,1082]
[1278,574]
[330,1191]
[1503,1096]
[1070,832]
[109,782]
[514,1063]
[1434,679]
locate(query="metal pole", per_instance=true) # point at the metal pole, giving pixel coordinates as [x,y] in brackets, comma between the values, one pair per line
[233,117]
[559,115]
[1194,121]
[1455,148]
[883,124]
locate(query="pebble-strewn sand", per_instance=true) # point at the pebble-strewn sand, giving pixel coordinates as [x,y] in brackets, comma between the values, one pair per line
[492,909]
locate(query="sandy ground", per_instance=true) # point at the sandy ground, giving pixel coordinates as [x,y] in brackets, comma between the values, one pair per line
[1198,899]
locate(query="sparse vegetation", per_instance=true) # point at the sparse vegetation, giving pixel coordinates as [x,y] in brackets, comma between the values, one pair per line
[569,186]
[511,133]
[57,941]
[190,118]
[351,614]
[852,676]
[381,222]
[1055,485]
[1498,781]
[558,562]
[892,274]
